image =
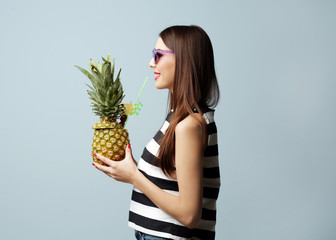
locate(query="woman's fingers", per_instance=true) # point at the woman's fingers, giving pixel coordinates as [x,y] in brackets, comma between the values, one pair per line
[102,168]
[108,168]
[128,154]
[128,151]
[105,160]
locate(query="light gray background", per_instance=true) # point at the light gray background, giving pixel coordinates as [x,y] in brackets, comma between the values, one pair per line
[276,67]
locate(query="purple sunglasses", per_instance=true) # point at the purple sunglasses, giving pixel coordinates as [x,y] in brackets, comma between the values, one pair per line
[157,53]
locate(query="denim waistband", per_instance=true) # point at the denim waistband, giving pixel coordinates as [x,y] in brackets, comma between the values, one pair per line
[144,236]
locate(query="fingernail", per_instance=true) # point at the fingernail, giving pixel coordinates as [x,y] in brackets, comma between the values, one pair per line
[95,154]
[93,164]
[129,146]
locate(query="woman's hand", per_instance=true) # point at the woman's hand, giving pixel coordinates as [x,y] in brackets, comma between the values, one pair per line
[123,171]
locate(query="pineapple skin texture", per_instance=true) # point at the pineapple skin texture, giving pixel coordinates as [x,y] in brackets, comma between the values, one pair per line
[110,139]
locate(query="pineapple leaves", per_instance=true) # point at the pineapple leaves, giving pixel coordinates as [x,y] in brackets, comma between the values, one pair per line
[94,98]
[91,88]
[112,71]
[107,73]
[85,72]
[105,92]
[118,76]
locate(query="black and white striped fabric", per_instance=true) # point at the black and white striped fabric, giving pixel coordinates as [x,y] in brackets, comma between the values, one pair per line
[146,217]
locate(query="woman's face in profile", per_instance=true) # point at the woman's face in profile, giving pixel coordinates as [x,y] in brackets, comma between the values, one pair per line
[164,68]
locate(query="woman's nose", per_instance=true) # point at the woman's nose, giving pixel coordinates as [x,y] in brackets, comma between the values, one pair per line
[151,63]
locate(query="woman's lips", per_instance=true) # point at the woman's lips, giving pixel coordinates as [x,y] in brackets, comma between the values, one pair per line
[157,75]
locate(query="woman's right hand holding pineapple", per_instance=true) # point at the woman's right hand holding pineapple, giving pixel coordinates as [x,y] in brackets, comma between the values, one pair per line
[122,171]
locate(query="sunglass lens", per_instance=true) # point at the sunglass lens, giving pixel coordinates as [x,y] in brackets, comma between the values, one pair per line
[155,56]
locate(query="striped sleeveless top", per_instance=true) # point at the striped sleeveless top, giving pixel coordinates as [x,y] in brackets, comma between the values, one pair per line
[146,217]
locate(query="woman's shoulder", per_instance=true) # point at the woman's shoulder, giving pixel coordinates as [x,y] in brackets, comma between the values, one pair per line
[190,123]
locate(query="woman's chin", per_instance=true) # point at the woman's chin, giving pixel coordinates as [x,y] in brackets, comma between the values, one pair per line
[159,86]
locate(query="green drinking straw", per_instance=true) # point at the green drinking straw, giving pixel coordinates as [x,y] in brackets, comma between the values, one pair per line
[137,106]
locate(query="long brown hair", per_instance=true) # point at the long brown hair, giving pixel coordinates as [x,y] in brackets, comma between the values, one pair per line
[195,84]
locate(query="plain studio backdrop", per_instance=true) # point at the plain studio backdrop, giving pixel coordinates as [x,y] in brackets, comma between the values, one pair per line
[276,66]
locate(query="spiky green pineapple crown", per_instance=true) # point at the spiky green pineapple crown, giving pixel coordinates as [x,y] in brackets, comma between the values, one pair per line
[105,91]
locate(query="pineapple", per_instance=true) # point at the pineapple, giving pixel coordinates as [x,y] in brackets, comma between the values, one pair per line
[106,94]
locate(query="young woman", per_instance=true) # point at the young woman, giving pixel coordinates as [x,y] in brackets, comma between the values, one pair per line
[176,182]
